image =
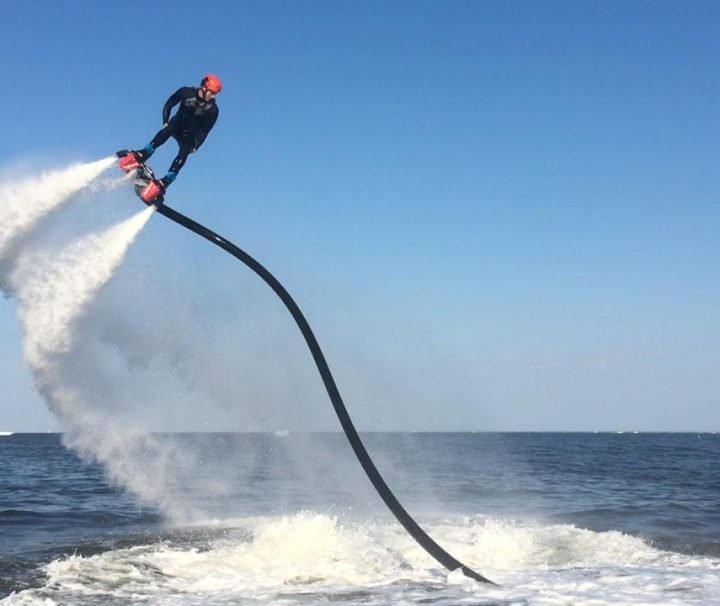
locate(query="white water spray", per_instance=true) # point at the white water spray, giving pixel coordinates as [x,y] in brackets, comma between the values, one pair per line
[104,378]
[53,287]
[24,202]
[53,284]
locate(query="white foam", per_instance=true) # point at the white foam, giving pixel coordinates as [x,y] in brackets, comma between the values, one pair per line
[309,558]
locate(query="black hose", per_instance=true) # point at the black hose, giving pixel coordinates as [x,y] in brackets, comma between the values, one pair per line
[358,447]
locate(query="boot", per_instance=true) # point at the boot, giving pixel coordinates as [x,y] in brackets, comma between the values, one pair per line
[168,179]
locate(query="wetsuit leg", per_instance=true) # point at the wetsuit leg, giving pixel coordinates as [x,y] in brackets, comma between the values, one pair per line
[162,136]
[183,153]
[159,139]
[186,142]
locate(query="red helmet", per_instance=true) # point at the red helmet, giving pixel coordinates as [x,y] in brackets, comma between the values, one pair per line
[211,83]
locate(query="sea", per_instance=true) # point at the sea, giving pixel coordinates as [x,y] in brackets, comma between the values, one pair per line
[290,519]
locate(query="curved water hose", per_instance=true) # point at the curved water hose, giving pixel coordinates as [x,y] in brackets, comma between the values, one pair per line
[358,447]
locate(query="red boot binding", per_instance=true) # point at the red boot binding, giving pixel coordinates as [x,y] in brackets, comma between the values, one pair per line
[152,192]
[129,162]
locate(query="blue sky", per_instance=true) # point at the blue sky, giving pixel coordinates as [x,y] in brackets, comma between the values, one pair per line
[496,215]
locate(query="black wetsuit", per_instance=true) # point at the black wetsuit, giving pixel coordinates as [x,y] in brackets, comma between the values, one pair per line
[189,126]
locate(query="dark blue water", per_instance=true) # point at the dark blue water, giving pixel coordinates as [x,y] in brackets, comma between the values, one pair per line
[663,488]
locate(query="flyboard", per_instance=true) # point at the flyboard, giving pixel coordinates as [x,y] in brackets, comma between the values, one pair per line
[143,177]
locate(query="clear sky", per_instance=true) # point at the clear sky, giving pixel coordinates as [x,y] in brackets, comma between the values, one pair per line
[496,215]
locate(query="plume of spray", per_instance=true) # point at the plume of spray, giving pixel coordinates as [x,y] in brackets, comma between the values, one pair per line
[53,286]
[105,380]
[23,202]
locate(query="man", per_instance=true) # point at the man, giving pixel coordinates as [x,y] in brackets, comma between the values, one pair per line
[189,127]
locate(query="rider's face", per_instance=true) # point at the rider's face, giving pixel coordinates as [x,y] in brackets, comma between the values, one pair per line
[206,94]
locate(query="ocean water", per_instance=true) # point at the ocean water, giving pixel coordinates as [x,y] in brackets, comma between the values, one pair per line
[289,519]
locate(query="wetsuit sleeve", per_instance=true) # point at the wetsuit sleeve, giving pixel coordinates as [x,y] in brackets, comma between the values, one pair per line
[208,123]
[174,99]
